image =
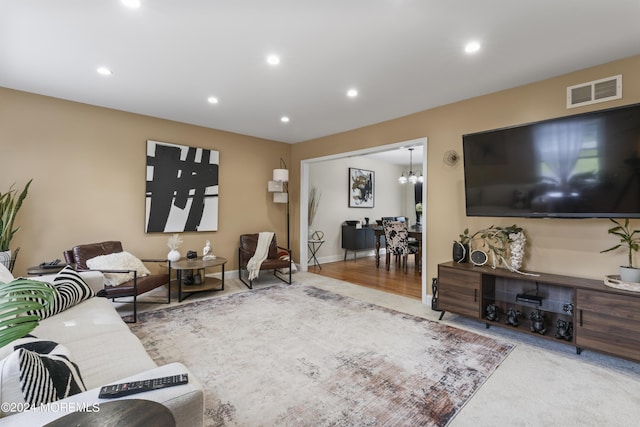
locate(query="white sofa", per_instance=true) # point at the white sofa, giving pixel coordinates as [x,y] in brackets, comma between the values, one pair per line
[106,352]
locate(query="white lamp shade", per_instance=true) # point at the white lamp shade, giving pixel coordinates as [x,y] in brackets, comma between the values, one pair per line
[281,175]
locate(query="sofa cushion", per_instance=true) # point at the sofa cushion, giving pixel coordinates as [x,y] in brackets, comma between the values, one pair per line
[118,261]
[71,288]
[38,372]
[94,316]
[102,344]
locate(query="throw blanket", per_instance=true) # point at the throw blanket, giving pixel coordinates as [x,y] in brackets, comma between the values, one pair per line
[262,250]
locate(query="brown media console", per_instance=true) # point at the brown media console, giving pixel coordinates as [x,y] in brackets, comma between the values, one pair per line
[602,318]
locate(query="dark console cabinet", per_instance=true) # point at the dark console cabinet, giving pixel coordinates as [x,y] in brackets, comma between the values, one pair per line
[357,239]
[601,318]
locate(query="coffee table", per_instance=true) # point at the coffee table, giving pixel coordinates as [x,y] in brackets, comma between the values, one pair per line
[184,265]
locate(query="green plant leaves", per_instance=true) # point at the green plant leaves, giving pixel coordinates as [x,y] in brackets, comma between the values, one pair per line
[9,207]
[17,299]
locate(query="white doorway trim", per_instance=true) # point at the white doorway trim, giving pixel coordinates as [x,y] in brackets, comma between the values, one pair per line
[304,200]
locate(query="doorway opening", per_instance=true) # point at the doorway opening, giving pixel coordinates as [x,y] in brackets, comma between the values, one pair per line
[384,151]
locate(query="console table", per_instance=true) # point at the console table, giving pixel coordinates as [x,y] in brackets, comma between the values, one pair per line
[357,239]
[599,317]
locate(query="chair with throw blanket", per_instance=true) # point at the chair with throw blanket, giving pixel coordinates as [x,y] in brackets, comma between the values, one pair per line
[259,251]
[125,275]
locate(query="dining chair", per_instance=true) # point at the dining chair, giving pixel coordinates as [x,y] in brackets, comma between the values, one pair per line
[397,242]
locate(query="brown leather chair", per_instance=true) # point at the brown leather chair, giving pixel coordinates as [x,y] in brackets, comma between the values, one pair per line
[248,245]
[79,255]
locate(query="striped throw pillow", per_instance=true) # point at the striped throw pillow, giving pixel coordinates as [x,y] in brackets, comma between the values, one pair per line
[71,288]
[39,372]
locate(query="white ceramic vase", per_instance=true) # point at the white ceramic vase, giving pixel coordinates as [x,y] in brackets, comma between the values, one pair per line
[629,274]
[173,255]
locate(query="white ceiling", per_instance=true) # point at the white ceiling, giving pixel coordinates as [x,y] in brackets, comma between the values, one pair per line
[403,56]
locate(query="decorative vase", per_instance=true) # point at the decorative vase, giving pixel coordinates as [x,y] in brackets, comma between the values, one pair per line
[516,250]
[460,252]
[173,255]
[630,274]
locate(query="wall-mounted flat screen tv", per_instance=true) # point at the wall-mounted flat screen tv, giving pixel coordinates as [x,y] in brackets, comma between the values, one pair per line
[580,166]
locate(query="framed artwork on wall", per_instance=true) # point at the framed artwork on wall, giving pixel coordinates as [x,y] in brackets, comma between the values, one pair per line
[182,188]
[361,188]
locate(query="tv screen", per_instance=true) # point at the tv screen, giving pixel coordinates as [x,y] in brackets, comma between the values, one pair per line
[581,166]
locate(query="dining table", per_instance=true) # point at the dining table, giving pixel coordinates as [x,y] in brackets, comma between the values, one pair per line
[415,231]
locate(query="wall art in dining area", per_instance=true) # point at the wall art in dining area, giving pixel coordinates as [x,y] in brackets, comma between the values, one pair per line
[361,188]
[181,188]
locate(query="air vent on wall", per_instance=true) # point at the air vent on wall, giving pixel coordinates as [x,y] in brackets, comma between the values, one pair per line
[596,91]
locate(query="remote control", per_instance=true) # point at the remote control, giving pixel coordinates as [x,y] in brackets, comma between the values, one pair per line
[124,389]
[52,264]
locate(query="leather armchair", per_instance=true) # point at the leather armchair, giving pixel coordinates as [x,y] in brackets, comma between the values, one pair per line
[78,256]
[248,245]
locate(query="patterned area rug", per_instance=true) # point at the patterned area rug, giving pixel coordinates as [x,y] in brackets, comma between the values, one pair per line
[301,356]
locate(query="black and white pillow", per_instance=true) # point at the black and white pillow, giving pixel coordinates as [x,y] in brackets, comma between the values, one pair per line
[71,288]
[39,372]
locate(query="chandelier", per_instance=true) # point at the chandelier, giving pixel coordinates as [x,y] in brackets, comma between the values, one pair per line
[411,176]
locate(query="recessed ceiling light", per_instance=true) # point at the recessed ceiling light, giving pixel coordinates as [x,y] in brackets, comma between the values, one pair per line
[352,93]
[134,4]
[284,119]
[212,100]
[273,59]
[472,47]
[104,71]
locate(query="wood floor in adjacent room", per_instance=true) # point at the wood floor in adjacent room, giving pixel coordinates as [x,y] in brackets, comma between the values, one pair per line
[363,272]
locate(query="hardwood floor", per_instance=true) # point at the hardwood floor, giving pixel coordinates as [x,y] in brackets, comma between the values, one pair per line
[363,272]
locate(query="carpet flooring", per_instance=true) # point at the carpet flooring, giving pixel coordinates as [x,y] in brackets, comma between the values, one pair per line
[304,356]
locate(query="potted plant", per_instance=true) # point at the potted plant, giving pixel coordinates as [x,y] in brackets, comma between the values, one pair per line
[19,299]
[631,240]
[10,203]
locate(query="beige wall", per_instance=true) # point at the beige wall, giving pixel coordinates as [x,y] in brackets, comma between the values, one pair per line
[564,246]
[88,170]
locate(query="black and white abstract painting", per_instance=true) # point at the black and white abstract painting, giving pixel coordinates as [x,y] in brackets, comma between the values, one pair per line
[182,188]
[361,191]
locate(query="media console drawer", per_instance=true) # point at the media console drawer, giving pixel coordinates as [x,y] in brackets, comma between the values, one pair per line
[459,291]
[609,323]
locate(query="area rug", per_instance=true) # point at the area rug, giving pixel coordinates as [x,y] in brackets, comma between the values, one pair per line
[301,356]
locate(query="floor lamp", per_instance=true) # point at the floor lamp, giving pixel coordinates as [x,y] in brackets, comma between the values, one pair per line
[280,189]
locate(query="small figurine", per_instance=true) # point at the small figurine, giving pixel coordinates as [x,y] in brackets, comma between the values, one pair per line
[537,322]
[564,330]
[206,251]
[493,313]
[512,317]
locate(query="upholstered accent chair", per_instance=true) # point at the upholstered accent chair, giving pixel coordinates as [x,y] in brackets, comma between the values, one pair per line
[121,282]
[397,241]
[278,259]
